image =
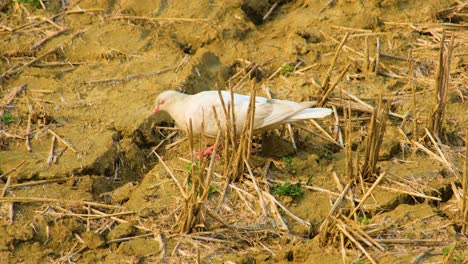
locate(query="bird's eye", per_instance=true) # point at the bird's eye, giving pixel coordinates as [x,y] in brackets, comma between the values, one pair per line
[162,101]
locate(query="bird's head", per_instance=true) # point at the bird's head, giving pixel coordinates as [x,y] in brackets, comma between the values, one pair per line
[165,99]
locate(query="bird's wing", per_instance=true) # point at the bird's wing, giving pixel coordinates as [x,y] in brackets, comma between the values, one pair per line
[277,111]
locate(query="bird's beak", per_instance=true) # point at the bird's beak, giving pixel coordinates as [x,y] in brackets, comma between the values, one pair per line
[156,109]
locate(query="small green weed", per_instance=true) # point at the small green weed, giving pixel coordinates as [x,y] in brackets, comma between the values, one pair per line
[445,251]
[364,220]
[7,119]
[360,262]
[213,189]
[287,68]
[288,189]
[459,257]
[188,166]
[33,3]
[290,165]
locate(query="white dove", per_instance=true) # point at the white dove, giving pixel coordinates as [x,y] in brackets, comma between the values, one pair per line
[199,108]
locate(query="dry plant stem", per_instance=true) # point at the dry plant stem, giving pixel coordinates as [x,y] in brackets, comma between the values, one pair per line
[368,193]
[374,140]
[161,19]
[27,142]
[348,150]
[465,188]
[6,187]
[441,154]
[375,244]
[162,142]
[13,169]
[343,249]
[324,227]
[40,182]
[286,210]
[412,241]
[118,220]
[433,155]
[270,11]
[419,258]
[10,97]
[247,75]
[247,203]
[318,135]
[66,143]
[128,238]
[44,40]
[415,194]
[209,175]
[17,69]
[51,151]
[359,235]
[367,107]
[325,82]
[441,85]
[448,257]
[413,93]
[131,77]
[274,210]
[331,87]
[377,56]
[365,64]
[260,196]
[18,199]
[369,257]
[181,189]
[320,128]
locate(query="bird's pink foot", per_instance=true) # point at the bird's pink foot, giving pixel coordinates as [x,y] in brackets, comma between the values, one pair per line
[206,153]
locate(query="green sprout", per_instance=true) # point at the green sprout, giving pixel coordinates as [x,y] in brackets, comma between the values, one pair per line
[288,189]
[364,220]
[33,3]
[360,262]
[7,119]
[287,68]
[290,165]
[445,251]
[188,166]
[213,189]
[459,257]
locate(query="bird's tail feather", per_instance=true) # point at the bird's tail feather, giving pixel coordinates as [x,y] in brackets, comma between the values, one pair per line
[310,113]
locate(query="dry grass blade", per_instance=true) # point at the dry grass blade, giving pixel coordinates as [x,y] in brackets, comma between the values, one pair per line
[192,214]
[347,234]
[325,82]
[434,156]
[13,169]
[348,150]
[324,227]
[331,87]
[181,189]
[10,97]
[260,196]
[465,188]
[373,141]
[442,77]
[368,193]
[358,233]
[53,200]
[65,142]
[412,193]
[441,153]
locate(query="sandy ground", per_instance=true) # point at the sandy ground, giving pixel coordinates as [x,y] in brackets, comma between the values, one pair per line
[79,179]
